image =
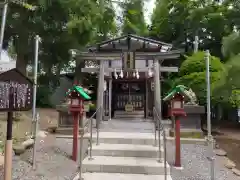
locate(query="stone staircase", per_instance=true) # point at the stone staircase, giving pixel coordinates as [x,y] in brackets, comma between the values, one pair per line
[128,115]
[124,156]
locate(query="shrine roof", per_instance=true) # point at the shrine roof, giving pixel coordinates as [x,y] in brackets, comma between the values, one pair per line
[80,91]
[15,75]
[179,89]
[131,42]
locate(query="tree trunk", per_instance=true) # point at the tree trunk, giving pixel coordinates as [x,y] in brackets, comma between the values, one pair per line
[21,64]
[78,71]
[21,45]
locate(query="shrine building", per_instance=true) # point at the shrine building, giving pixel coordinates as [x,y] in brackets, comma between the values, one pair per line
[127,88]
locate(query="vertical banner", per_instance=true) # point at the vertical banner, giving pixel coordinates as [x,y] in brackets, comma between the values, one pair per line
[125,60]
[132,60]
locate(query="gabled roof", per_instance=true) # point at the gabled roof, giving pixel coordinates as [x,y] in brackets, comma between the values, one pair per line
[129,42]
[15,75]
[179,89]
[80,91]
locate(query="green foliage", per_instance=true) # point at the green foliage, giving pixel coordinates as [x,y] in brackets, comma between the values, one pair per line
[62,25]
[235,98]
[193,74]
[43,94]
[197,82]
[23,4]
[228,86]
[197,63]
[231,45]
[178,21]
[133,18]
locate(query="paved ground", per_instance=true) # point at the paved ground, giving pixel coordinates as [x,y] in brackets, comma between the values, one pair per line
[53,161]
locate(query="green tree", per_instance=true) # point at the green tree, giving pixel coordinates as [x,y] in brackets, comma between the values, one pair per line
[62,25]
[231,45]
[133,18]
[193,74]
[179,21]
[228,87]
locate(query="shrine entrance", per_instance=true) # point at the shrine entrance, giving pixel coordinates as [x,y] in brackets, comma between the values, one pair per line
[129,66]
[128,92]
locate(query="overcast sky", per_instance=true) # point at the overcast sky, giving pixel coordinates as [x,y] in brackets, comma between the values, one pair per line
[5,57]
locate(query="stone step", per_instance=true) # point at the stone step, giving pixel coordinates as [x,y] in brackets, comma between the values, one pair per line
[119,176]
[127,165]
[129,113]
[124,116]
[124,138]
[125,150]
[132,115]
[68,130]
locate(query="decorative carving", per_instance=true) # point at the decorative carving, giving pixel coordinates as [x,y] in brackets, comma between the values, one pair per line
[192,97]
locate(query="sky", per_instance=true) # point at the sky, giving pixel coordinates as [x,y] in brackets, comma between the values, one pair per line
[149,6]
[5,57]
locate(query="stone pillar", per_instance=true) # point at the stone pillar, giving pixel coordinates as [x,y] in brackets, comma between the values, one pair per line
[110,99]
[99,114]
[147,94]
[158,102]
[157,87]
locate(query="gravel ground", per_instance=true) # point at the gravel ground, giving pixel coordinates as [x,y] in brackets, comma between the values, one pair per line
[53,162]
[195,164]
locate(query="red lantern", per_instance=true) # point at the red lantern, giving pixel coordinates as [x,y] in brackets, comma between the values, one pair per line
[177,105]
[77,95]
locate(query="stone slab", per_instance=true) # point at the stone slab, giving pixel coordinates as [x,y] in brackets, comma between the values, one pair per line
[125,150]
[119,176]
[124,138]
[127,165]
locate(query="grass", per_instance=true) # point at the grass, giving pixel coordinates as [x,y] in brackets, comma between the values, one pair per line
[21,128]
[231,146]
[195,135]
[23,123]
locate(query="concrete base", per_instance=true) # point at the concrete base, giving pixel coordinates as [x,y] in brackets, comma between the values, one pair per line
[126,165]
[178,168]
[119,176]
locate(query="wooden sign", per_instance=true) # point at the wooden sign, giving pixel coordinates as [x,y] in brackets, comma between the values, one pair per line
[16,91]
[129,108]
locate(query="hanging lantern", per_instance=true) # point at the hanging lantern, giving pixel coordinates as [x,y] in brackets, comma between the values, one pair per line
[121,73]
[115,74]
[137,74]
[150,73]
[134,74]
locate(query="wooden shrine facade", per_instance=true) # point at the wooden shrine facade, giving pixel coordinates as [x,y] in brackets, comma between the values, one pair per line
[127,67]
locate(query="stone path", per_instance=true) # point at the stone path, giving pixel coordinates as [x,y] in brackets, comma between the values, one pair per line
[53,161]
